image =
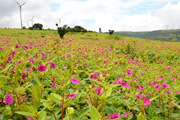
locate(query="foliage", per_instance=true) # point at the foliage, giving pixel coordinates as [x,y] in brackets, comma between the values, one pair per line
[111,32]
[62,31]
[37,26]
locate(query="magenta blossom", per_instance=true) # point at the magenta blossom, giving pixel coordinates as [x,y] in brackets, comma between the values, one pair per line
[167,92]
[16,46]
[168,67]
[128,72]
[113,116]
[146,101]
[41,67]
[74,81]
[29,118]
[125,85]
[8,100]
[177,92]
[25,46]
[156,87]
[43,54]
[98,90]
[53,84]
[53,66]
[71,96]
[36,55]
[164,85]
[65,66]
[1,48]
[13,53]
[171,105]
[124,114]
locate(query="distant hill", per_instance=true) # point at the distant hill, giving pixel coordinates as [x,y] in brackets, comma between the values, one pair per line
[163,35]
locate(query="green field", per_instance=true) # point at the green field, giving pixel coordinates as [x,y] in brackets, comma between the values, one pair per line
[87,76]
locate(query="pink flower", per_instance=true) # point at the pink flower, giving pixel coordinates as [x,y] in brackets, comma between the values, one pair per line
[98,90]
[16,46]
[13,53]
[164,85]
[1,48]
[156,87]
[113,116]
[130,113]
[128,72]
[168,67]
[146,101]
[25,46]
[119,81]
[29,118]
[137,96]
[53,84]
[71,96]
[171,105]
[8,100]
[120,74]
[36,55]
[41,68]
[104,73]
[124,114]
[85,63]
[12,70]
[177,92]
[125,85]
[23,75]
[64,67]
[74,81]
[167,92]
[116,63]
[43,54]
[50,62]
[53,66]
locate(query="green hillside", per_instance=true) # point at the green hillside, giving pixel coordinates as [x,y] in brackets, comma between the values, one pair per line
[163,35]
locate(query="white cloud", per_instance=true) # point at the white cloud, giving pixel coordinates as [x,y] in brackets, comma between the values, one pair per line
[129,15]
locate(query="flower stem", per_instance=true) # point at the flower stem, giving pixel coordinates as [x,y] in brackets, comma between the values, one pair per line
[62,106]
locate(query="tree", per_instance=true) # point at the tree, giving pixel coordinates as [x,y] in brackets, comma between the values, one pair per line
[62,31]
[37,26]
[111,32]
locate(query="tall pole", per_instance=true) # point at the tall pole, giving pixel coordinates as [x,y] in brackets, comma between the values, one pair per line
[20,5]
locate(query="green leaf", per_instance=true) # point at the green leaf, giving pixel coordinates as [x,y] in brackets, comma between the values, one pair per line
[56,98]
[94,114]
[155,118]
[42,115]
[140,116]
[153,98]
[83,112]
[37,80]
[28,114]
[36,92]
[6,69]
[26,108]
[66,118]
[108,93]
[69,111]
[7,111]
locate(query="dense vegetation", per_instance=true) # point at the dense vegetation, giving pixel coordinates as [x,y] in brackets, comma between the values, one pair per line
[87,76]
[163,35]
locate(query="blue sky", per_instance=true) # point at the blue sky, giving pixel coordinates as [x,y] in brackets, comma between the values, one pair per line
[120,15]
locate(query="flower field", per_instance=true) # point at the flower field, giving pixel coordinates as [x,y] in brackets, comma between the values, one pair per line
[48,78]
